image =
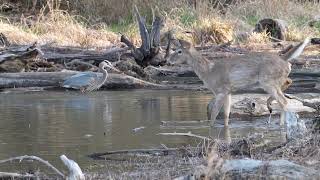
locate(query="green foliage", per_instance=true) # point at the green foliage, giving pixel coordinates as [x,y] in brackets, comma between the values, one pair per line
[188,17]
[122,26]
[252,19]
[300,21]
[317,26]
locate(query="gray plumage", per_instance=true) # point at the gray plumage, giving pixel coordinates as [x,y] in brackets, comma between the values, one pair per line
[88,81]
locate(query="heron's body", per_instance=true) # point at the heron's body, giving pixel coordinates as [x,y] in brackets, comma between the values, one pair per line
[88,81]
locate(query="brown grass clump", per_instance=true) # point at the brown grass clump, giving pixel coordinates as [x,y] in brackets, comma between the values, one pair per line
[210,30]
[257,38]
[17,34]
[60,28]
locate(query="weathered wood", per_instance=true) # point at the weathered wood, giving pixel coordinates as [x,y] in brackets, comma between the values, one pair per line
[150,46]
[132,151]
[35,158]
[63,55]
[4,41]
[43,79]
[315,40]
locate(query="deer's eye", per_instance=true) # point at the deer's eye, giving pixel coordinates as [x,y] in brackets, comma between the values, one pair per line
[253,105]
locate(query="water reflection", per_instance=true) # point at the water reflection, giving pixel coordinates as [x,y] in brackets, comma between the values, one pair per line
[48,124]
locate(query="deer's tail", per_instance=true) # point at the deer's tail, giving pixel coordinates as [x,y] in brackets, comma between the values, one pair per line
[296,50]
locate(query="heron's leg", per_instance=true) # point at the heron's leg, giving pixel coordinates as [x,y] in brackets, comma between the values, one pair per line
[227,136]
[218,103]
[209,108]
[82,89]
[227,108]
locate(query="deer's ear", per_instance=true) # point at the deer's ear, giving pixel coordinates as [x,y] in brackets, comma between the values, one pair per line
[185,44]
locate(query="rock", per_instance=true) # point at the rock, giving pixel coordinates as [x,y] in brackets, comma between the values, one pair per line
[276,27]
[252,105]
[296,128]
[274,168]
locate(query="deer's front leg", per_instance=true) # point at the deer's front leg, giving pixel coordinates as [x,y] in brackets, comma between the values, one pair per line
[218,103]
[227,108]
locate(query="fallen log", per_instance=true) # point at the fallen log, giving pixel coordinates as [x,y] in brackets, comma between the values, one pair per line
[63,55]
[43,79]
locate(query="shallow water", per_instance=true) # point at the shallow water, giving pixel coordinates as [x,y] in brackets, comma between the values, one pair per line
[48,124]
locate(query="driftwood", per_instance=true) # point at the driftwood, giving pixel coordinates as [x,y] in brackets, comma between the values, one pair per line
[20,158]
[43,79]
[313,103]
[63,55]
[102,156]
[315,40]
[4,41]
[75,172]
[8,175]
[189,134]
[21,58]
[150,45]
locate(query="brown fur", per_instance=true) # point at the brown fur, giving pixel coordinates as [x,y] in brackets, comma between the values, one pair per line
[265,70]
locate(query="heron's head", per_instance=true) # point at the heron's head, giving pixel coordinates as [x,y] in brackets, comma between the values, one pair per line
[182,54]
[108,64]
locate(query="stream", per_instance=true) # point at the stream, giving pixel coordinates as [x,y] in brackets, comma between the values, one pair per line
[50,123]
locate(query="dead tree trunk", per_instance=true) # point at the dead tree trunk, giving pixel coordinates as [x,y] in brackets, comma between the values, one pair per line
[150,45]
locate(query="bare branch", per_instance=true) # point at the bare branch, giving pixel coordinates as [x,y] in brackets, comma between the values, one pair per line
[189,134]
[169,36]
[15,175]
[133,151]
[78,61]
[157,23]
[20,158]
[145,46]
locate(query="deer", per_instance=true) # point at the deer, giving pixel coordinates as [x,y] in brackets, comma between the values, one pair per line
[264,70]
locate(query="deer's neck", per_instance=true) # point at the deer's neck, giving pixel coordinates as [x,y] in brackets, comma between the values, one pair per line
[200,64]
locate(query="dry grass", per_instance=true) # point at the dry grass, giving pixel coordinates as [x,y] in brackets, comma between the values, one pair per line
[57,27]
[95,23]
[212,30]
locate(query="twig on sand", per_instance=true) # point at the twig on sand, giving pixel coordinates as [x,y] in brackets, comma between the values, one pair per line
[15,175]
[75,172]
[189,134]
[133,151]
[20,158]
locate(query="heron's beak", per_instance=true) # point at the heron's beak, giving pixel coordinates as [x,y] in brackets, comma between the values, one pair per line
[113,68]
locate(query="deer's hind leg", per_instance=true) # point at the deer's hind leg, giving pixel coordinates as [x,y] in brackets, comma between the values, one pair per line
[277,94]
[219,101]
[285,86]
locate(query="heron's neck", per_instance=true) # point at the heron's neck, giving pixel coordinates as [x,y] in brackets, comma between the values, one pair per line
[104,75]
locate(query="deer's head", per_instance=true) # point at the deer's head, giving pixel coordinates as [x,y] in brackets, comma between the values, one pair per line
[182,54]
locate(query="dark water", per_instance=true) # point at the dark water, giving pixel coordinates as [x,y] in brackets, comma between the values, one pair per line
[48,124]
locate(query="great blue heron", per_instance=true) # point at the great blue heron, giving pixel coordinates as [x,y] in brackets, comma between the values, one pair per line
[88,81]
